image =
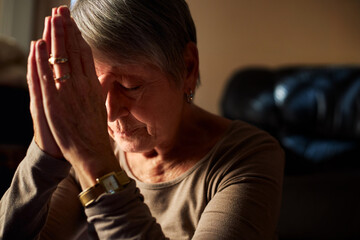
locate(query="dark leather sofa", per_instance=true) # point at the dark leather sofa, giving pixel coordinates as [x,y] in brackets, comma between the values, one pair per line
[314,112]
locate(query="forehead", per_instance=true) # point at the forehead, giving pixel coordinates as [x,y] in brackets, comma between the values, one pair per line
[138,68]
[106,64]
[128,69]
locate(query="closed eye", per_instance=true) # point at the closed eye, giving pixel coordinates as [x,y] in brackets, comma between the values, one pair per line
[130,88]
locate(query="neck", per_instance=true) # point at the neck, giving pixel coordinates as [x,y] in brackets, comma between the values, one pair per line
[156,168]
[168,159]
[194,137]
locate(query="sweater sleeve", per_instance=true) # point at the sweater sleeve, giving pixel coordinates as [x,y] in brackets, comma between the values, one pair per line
[42,201]
[24,206]
[123,215]
[66,218]
[245,198]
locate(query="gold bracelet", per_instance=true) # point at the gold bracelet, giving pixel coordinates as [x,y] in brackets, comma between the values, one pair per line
[90,194]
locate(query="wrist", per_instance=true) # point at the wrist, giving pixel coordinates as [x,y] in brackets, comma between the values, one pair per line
[110,183]
[90,169]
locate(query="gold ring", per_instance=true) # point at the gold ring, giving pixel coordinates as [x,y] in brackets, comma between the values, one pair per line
[54,60]
[62,79]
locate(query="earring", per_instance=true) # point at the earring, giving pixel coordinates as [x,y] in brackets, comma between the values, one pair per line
[190,96]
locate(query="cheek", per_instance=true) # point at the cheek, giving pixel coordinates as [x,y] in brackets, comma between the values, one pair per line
[165,110]
[156,110]
[145,114]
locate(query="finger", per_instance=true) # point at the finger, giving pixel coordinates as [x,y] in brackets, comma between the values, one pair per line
[47,33]
[42,134]
[71,42]
[58,48]
[87,58]
[33,82]
[36,104]
[54,11]
[45,75]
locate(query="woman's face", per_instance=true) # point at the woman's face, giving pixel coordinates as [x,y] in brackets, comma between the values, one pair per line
[144,106]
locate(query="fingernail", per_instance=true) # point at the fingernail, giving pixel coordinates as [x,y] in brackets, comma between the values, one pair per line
[64,10]
[31,47]
[41,43]
[47,19]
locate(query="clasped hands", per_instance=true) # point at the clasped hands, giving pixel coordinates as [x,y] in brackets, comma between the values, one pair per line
[66,100]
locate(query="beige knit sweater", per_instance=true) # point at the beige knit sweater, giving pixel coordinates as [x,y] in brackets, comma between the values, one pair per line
[234,192]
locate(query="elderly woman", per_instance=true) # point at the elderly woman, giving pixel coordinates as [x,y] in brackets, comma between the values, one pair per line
[115,126]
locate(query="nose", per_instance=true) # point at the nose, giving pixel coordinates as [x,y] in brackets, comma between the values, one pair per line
[117,104]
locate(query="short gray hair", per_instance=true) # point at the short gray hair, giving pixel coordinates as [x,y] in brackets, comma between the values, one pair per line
[153,30]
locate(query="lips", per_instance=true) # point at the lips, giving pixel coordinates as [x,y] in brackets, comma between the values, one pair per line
[127,133]
[122,132]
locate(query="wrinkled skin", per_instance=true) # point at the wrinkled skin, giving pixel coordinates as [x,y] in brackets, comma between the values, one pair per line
[69,118]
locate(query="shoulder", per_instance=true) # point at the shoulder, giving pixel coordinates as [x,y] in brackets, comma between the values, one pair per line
[244,179]
[223,133]
[244,152]
[241,137]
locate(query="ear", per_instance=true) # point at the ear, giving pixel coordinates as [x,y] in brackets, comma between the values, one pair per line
[191,59]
